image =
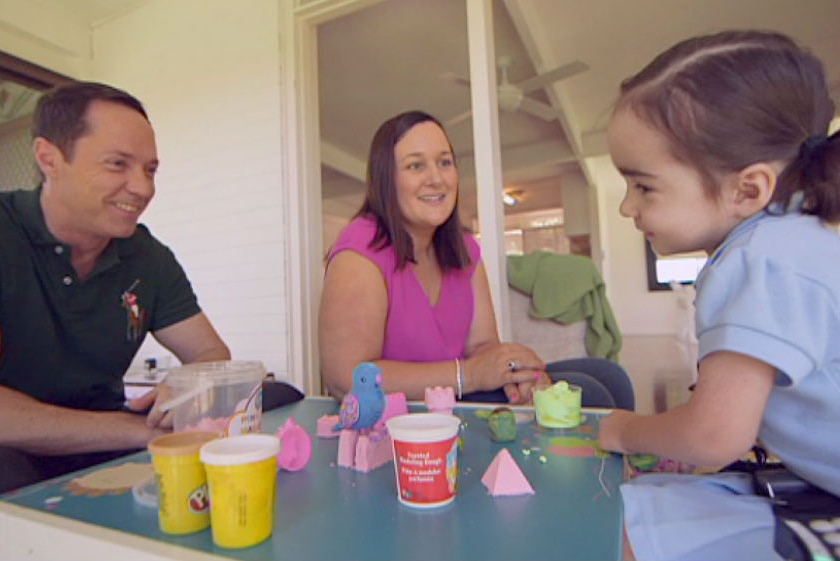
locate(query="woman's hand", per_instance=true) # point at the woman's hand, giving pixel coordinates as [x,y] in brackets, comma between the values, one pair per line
[511,366]
[522,394]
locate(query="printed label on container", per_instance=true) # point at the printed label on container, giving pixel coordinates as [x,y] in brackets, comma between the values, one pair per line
[427,472]
[247,418]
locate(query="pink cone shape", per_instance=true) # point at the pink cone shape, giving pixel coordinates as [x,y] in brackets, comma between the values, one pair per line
[504,477]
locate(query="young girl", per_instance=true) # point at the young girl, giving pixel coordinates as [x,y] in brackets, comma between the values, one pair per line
[723,141]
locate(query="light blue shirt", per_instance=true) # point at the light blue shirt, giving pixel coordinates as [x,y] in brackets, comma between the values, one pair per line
[772,291]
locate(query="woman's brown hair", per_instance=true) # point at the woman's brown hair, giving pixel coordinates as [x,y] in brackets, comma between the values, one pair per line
[381,199]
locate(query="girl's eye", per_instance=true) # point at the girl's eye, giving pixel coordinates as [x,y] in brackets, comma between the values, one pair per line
[447,162]
[643,188]
[414,166]
[116,164]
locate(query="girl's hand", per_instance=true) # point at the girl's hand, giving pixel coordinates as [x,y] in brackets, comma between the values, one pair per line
[611,429]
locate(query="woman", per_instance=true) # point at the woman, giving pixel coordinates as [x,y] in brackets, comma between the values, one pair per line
[405,286]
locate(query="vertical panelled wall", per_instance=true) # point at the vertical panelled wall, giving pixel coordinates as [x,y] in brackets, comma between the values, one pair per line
[208,72]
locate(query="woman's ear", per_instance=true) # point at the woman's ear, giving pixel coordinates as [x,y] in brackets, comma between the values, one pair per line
[753,189]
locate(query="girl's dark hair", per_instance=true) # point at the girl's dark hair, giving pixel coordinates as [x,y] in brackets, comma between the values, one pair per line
[60,112]
[381,199]
[732,99]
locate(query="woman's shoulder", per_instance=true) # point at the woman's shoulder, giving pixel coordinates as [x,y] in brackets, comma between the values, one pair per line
[357,236]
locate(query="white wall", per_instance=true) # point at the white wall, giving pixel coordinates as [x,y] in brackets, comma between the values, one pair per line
[208,72]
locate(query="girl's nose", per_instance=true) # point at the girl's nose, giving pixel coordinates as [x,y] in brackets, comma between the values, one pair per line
[626,208]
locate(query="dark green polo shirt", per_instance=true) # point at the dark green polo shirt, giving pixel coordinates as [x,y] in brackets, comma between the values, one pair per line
[69,342]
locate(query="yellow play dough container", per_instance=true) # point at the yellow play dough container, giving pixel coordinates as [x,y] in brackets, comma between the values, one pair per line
[242,477]
[183,502]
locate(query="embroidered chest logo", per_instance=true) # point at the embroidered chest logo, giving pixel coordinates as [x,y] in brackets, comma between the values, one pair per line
[135,315]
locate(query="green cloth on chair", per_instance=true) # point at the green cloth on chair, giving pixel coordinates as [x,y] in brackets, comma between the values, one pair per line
[568,289]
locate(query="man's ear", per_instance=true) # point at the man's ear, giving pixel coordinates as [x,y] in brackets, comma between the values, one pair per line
[47,156]
[753,189]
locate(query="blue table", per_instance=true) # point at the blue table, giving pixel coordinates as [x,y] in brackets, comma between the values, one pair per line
[329,512]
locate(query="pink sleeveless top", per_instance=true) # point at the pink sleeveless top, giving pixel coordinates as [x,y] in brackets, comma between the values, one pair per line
[416,331]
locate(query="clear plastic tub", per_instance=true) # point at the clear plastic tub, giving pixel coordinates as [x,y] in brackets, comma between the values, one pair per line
[224,396]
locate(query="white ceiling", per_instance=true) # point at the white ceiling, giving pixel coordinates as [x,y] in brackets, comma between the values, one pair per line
[390,57]
[92,12]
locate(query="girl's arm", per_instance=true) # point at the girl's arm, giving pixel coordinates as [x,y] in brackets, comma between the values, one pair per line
[717,425]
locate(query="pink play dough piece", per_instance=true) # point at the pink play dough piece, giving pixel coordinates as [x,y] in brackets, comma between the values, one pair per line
[395,404]
[372,452]
[347,448]
[440,399]
[326,426]
[218,425]
[504,477]
[295,446]
[367,450]
[364,452]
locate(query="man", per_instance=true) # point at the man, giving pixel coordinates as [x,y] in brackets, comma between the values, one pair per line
[81,283]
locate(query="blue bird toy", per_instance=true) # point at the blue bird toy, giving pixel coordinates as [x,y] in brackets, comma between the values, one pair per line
[364,405]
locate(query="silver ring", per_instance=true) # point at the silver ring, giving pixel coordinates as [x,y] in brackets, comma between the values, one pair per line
[512,366]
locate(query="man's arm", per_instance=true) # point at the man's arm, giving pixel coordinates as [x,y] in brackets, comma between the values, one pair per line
[39,428]
[193,340]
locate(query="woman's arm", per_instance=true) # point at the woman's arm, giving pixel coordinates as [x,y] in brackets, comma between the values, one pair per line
[351,329]
[488,358]
[717,425]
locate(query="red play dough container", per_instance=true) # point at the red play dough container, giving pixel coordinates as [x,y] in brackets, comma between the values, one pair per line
[425,458]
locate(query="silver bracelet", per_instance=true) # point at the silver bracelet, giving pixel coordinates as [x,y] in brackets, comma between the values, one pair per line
[459,375]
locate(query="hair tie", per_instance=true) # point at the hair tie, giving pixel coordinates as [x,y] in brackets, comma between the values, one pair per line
[812,144]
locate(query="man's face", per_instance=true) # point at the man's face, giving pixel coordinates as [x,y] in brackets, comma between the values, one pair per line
[107,181]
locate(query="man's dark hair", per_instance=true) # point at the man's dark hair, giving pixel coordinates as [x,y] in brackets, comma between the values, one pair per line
[60,112]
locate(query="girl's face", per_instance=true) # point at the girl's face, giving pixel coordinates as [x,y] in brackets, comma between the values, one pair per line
[665,197]
[426,177]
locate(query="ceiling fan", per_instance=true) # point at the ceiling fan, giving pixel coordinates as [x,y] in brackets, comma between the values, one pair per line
[512,96]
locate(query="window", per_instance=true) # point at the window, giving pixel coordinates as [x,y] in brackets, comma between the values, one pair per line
[681,267]
[20,86]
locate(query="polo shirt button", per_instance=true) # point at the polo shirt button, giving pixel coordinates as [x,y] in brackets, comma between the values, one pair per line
[67,280]
[59,250]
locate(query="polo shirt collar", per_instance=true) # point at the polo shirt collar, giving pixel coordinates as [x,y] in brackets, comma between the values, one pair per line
[32,219]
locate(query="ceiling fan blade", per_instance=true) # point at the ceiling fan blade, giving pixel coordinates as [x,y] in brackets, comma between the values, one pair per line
[455,79]
[551,76]
[460,118]
[538,109]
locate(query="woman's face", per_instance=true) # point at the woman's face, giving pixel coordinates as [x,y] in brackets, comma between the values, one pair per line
[426,178]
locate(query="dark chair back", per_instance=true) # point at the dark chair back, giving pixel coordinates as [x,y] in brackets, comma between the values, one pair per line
[277,394]
[604,383]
